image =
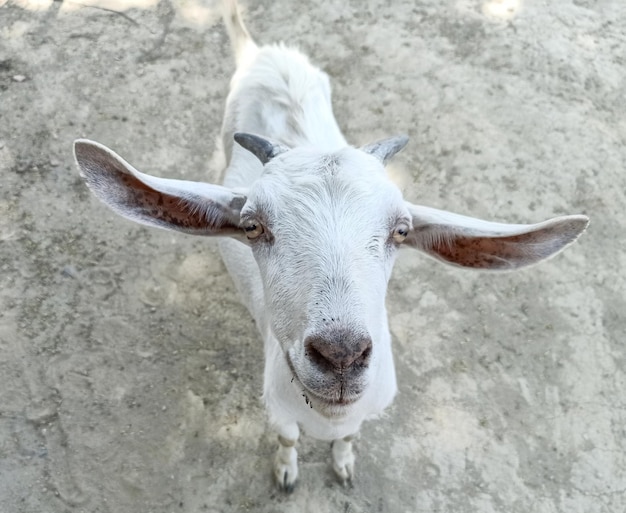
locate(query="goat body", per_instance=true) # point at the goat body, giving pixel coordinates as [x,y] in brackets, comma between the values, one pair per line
[310,228]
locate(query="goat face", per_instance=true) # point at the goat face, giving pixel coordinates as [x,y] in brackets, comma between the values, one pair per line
[324,231]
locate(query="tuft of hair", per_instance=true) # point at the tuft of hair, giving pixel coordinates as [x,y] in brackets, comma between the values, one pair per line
[243,45]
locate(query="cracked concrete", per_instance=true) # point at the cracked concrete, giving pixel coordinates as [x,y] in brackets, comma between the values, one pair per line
[130,374]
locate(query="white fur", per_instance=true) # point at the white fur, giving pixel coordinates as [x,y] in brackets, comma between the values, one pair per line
[332,225]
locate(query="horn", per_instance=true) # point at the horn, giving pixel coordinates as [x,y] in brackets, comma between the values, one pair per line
[261,148]
[384,149]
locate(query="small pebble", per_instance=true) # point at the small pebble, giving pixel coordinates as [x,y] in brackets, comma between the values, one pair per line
[69,271]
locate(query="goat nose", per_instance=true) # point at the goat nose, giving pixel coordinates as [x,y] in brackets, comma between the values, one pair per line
[338,350]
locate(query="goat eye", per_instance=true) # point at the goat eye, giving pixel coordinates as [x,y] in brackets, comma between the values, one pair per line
[253,228]
[400,233]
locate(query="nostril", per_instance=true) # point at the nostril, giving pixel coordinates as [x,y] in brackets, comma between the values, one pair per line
[315,355]
[364,357]
[320,352]
[338,352]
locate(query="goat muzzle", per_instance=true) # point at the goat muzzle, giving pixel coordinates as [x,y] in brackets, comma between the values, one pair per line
[340,351]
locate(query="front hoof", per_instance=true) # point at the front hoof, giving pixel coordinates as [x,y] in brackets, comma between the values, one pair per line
[286,482]
[286,468]
[344,473]
[343,460]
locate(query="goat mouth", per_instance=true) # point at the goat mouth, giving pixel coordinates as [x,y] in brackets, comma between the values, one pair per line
[341,402]
[327,406]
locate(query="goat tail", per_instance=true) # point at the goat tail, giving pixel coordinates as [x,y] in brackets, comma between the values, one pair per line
[243,45]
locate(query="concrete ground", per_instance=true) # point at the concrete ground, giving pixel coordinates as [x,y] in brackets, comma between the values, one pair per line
[130,375]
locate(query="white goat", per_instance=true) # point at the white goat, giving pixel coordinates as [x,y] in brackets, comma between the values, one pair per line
[311,228]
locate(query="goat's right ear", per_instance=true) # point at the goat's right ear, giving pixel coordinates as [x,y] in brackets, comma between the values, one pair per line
[180,205]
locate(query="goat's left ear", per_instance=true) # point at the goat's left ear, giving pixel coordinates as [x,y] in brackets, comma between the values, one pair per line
[385,149]
[467,242]
[191,207]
